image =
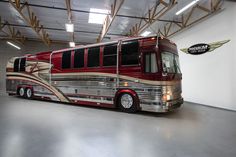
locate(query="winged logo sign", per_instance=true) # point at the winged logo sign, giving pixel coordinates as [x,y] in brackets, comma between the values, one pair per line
[203,48]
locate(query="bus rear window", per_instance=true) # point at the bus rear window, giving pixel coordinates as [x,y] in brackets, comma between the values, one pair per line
[22,64]
[19,64]
[16,65]
[130,53]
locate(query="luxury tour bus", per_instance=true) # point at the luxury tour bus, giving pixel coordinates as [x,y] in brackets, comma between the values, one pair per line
[131,74]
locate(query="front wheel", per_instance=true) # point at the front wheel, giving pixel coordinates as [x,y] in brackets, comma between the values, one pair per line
[127,103]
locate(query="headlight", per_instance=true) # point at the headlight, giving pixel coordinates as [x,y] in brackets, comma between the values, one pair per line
[166,97]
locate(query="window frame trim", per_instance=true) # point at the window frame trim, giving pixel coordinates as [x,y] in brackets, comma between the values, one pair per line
[162,62]
[71,55]
[115,54]
[84,52]
[144,62]
[139,55]
[99,59]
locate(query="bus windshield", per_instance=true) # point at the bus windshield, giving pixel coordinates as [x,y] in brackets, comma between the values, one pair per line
[170,62]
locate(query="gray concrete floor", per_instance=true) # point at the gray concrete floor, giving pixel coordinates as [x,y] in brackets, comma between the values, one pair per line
[31,128]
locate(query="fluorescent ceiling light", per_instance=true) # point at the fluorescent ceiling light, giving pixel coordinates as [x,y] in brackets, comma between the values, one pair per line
[97,15]
[69,27]
[146,33]
[72,44]
[10,43]
[186,7]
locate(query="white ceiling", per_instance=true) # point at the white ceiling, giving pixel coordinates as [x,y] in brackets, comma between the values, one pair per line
[53,16]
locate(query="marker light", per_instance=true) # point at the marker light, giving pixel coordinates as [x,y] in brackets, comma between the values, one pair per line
[166,97]
[126,84]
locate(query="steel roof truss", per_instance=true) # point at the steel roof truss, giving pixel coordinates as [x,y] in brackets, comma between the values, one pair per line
[154,14]
[214,7]
[110,18]
[12,33]
[31,19]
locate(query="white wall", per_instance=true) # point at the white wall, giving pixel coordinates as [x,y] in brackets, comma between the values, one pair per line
[6,52]
[210,78]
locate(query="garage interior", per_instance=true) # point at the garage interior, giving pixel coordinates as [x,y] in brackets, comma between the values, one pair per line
[203,126]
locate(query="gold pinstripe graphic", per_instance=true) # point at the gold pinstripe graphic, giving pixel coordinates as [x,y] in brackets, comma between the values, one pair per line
[38,81]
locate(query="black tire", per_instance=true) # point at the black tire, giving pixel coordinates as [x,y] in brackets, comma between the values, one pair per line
[127,103]
[28,93]
[21,92]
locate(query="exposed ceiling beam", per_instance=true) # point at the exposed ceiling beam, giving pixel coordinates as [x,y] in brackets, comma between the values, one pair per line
[68,7]
[36,39]
[189,20]
[109,18]
[153,15]
[85,11]
[69,14]
[63,30]
[59,41]
[204,8]
[31,19]
[11,32]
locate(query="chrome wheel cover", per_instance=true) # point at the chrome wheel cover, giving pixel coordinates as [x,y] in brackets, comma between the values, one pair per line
[22,92]
[29,93]
[126,100]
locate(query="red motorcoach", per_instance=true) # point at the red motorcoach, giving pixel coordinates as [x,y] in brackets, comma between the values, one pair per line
[132,74]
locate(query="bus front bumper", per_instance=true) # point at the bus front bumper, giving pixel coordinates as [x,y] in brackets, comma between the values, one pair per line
[163,107]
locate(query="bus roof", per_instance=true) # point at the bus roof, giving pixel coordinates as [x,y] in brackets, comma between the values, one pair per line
[43,53]
[96,44]
[104,43]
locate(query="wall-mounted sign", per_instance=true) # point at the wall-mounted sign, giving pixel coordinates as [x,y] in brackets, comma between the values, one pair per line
[198,49]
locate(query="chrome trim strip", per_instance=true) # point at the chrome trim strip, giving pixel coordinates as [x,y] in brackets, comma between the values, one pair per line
[166,107]
[91,100]
[52,97]
[110,75]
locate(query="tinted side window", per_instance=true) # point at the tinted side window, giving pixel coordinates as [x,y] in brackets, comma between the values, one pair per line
[22,64]
[110,55]
[16,65]
[79,58]
[66,60]
[93,57]
[130,53]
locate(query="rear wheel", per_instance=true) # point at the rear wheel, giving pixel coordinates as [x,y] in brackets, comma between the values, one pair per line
[21,91]
[127,103]
[29,93]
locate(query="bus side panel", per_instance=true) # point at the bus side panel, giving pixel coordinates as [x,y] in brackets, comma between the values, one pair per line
[35,75]
[39,91]
[101,88]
